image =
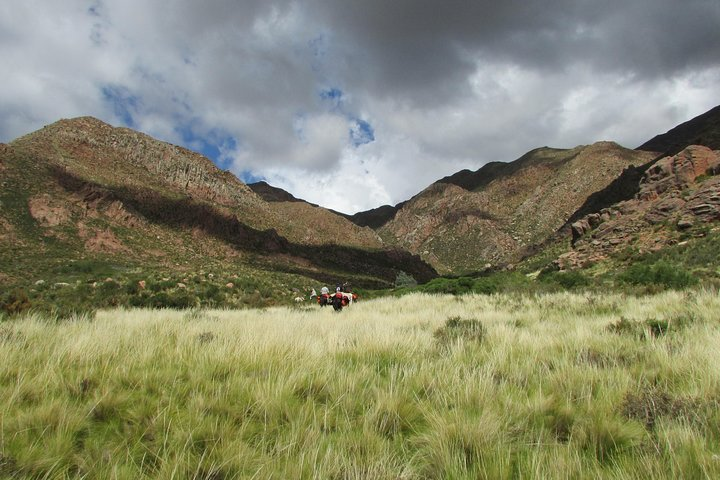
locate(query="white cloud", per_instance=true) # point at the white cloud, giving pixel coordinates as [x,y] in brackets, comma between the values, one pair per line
[440,86]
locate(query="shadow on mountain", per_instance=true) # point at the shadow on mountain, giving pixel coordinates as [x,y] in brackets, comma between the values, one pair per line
[472,181]
[187,213]
[701,130]
[624,187]
[375,218]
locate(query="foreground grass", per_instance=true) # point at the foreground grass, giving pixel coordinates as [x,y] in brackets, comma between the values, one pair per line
[423,386]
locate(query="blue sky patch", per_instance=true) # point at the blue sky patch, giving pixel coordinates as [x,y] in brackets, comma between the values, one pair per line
[361,133]
[334,96]
[214,144]
[249,177]
[124,104]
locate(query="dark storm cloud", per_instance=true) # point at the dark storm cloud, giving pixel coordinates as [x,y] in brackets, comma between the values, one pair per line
[422,46]
[290,89]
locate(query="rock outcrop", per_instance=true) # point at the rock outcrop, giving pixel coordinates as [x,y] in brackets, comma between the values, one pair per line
[677,193]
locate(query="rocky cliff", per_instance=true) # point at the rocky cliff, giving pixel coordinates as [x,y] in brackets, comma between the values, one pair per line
[676,194]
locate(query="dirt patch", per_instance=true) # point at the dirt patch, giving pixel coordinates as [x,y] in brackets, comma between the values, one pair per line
[116,211]
[649,405]
[101,240]
[47,212]
[7,231]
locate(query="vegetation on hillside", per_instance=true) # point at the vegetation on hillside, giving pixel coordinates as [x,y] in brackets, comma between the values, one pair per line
[86,285]
[425,386]
[692,262]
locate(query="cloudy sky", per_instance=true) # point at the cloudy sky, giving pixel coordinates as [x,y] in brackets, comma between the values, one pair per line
[356,104]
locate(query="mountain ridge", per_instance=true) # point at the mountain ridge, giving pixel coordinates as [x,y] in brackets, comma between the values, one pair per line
[82,187]
[471,221]
[701,130]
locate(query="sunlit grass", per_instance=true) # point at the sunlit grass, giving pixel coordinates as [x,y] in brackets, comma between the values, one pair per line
[423,386]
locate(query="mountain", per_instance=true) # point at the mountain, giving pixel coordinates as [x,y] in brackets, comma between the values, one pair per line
[701,130]
[504,211]
[376,217]
[471,221]
[273,194]
[81,189]
[82,200]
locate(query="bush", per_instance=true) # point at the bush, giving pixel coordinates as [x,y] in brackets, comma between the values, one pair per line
[15,302]
[506,282]
[452,286]
[404,280]
[97,268]
[625,327]
[179,300]
[660,273]
[568,280]
[655,327]
[609,437]
[660,326]
[457,328]
[162,285]
[486,285]
[211,295]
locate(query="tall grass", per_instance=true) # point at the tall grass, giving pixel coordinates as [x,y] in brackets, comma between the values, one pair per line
[423,386]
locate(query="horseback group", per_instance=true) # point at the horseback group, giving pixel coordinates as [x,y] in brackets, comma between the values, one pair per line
[342,297]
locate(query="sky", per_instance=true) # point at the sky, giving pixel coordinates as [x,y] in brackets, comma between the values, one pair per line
[356,104]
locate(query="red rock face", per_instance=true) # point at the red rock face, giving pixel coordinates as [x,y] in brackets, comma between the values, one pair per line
[48,212]
[676,172]
[676,193]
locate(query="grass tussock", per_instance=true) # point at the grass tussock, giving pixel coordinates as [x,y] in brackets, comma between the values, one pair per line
[424,386]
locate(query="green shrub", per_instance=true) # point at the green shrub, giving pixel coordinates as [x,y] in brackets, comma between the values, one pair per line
[451,286]
[440,285]
[15,302]
[97,268]
[625,327]
[108,287]
[132,288]
[211,295]
[503,282]
[456,328]
[162,285]
[568,280]
[405,280]
[658,327]
[557,417]
[608,437]
[486,285]
[660,273]
[179,300]
[394,416]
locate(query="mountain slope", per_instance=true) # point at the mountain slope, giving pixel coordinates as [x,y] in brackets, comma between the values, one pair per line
[81,188]
[492,216]
[111,156]
[678,197]
[701,130]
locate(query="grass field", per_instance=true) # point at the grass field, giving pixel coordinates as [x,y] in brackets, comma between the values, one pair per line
[423,386]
